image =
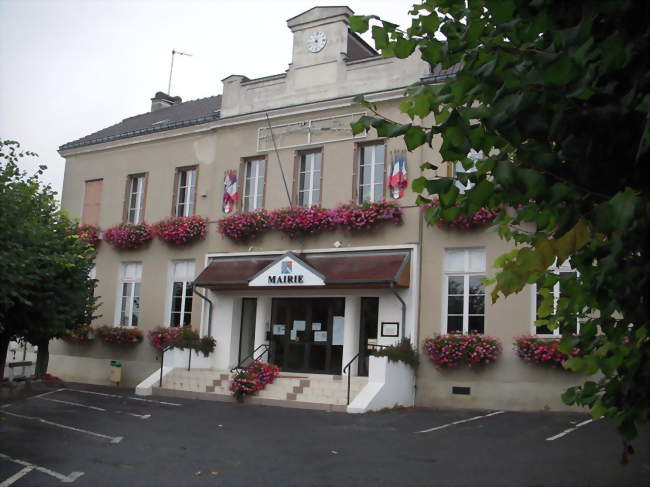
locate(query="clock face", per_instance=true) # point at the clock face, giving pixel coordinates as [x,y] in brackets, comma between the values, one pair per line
[316,41]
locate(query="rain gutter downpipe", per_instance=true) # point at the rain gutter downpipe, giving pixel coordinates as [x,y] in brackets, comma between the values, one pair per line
[210,306]
[392,288]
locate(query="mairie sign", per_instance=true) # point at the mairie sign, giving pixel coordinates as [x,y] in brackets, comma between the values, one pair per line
[287,270]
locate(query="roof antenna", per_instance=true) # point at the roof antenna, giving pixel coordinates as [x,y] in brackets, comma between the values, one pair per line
[171,69]
[277,154]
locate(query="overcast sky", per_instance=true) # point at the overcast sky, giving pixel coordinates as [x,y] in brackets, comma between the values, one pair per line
[71,67]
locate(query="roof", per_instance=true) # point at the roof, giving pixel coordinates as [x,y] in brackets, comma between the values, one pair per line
[343,270]
[183,114]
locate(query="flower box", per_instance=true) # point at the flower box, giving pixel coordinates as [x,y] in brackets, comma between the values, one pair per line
[89,234]
[182,230]
[164,338]
[81,334]
[455,349]
[244,227]
[129,235]
[541,351]
[301,220]
[367,216]
[482,218]
[119,335]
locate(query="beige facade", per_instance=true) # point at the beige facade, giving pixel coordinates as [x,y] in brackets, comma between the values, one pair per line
[316,91]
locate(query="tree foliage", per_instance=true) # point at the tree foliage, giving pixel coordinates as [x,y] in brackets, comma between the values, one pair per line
[556,96]
[45,286]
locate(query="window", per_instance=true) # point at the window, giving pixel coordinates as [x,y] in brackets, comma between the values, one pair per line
[558,291]
[129,286]
[182,275]
[458,168]
[185,191]
[135,198]
[309,178]
[464,293]
[92,202]
[371,172]
[254,184]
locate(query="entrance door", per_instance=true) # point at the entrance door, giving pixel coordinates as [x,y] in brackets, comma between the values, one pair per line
[247,329]
[307,334]
[368,331]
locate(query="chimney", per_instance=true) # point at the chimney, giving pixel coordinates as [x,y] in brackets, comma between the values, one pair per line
[163,100]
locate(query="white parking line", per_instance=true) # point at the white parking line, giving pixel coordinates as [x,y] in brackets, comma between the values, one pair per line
[50,392]
[94,408]
[18,475]
[113,439]
[460,421]
[123,397]
[570,430]
[63,478]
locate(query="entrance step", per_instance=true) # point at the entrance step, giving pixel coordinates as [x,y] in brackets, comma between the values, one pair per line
[313,391]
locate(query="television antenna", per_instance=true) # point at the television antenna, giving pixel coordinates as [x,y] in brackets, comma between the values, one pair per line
[171,68]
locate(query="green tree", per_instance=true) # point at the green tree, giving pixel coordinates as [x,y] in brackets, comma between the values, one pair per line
[556,96]
[45,287]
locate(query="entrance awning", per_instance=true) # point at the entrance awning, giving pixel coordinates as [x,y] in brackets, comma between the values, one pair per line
[333,270]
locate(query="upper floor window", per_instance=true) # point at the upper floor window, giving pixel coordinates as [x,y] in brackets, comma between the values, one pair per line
[135,190]
[254,171]
[309,178]
[129,292]
[558,291]
[371,172]
[92,202]
[464,293]
[185,190]
[180,313]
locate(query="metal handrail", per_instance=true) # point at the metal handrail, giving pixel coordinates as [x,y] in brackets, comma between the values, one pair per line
[251,355]
[349,364]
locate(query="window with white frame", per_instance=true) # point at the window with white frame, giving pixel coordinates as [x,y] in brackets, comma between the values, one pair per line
[558,291]
[135,199]
[182,275]
[129,289]
[185,191]
[254,184]
[309,176]
[458,168]
[464,293]
[371,172]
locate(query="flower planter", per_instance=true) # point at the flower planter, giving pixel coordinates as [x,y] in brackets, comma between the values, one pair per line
[455,349]
[89,234]
[128,236]
[482,218]
[253,378]
[182,230]
[119,335]
[541,351]
[83,334]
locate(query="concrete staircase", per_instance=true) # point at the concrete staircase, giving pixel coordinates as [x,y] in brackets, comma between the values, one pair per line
[309,391]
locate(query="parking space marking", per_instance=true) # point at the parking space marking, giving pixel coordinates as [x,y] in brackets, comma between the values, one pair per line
[63,478]
[113,439]
[460,421]
[50,392]
[18,475]
[94,408]
[124,397]
[570,430]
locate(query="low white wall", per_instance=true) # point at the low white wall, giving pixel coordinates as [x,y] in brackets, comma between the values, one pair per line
[390,384]
[97,370]
[179,359]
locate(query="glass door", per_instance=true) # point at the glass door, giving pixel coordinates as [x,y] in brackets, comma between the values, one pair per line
[247,328]
[368,332]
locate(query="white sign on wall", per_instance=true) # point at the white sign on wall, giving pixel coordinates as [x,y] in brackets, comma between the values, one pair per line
[288,270]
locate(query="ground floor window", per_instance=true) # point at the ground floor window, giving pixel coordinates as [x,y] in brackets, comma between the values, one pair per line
[464,292]
[180,313]
[129,291]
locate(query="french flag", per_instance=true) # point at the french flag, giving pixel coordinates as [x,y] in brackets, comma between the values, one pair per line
[229,191]
[398,180]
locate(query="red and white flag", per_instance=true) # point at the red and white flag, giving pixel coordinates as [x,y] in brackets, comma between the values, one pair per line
[229,191]
[398,178]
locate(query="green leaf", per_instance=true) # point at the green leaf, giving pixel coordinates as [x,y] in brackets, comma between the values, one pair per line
[598,410]
[560,72]
[404,47]
[414,137]
[502,10]
[480,193]
[359,23]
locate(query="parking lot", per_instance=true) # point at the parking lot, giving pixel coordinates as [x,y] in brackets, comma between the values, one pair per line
[99,436]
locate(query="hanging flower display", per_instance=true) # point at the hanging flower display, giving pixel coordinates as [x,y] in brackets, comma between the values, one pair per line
[129,235]
[252,379]
[480,219]
[306,220]
[182,230]
[541,351]
[89,234]
[244,227]
[119,335]
[80,334]
[366,216]
[454,349]
[165,338]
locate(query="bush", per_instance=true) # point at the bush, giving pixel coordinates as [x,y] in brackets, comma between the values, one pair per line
[190,339]
[182,230]
[119,335]
[129,235]
[400,352]
[542,351]
[454,349]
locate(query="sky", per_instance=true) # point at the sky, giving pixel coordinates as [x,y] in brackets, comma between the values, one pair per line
[71,67]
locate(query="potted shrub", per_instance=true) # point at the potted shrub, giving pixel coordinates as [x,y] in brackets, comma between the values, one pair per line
[400,352]
[129,235]
[252,379]
[541,351]
[119,335]
[455,349]
[182,230]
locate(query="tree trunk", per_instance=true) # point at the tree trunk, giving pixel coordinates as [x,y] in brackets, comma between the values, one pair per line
[4,347]
[42,358]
